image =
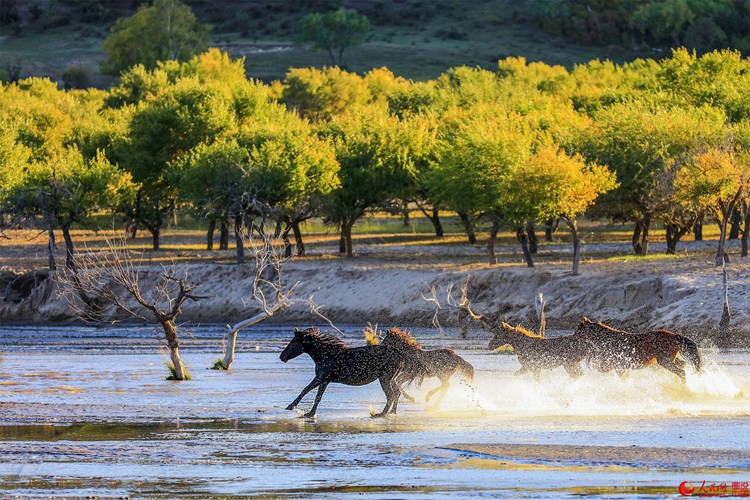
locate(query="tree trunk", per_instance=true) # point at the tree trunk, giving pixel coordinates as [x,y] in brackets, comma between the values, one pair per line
[640,235]
[434,218]
[745,231]
[239,240]
[644,234]
[407,218]
[675,232]
[231,344]
[174,350]
[533,240]
[348,236]
[726,315]
[521,235]
[468,227]
[698,229]
[224,235]
[342,239]
[491,243]
[51,247]
[548,230]
[210,234]
[672,238]
[573,226]
[721,250]
[734,230]
[133,229]
[437,223]
[287,242]
[333,58]
[155,232]
[636,240]
[298,238]
[69,248]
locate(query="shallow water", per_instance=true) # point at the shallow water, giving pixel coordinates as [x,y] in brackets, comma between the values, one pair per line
[87,411]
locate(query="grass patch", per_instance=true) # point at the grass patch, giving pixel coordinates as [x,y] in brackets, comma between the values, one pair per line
[173,373]
[218,365]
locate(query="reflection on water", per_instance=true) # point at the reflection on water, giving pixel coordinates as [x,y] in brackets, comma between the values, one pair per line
[89,412]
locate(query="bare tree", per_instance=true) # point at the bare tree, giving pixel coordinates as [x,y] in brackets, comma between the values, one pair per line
[110,278]
[267,292]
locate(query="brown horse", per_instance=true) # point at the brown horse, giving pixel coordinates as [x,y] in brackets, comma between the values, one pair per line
[536,353]
[612,349]
[440,363]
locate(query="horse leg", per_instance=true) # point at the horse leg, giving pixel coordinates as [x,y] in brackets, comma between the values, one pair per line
[385,383]
[574,370]
[396,391]
[398,382]
[672,367]
[312,385]
[521,371]
[318,397]
[537,374]
[444,385]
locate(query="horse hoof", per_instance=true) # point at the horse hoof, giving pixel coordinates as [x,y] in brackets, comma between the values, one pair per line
[378,415]
[309,414]
[290,407]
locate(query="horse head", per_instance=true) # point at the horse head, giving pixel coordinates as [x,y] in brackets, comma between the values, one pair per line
[297,345]
[503,336]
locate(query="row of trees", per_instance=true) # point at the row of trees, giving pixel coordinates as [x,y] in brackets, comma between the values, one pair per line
[700,24]
[642,142]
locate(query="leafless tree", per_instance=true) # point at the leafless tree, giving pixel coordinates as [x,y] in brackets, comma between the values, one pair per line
[267,292]
[107,279]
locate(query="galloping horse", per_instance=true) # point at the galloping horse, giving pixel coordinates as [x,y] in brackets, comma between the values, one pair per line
[536,353]
[335,362]
[440,363]
[612,349]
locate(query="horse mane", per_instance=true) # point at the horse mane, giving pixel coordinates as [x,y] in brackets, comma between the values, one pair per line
[523,331]
[588,321]
[402,337]
[325,339]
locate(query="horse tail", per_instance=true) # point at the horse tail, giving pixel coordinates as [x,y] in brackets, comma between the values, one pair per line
[467,371]
[690,351]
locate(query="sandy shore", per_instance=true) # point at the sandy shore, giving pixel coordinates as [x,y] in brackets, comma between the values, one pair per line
[681,294]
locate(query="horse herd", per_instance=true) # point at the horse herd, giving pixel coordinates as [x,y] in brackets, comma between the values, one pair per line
[399,360]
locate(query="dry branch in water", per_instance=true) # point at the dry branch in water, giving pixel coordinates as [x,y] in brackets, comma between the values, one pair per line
[110,278]
[267,292]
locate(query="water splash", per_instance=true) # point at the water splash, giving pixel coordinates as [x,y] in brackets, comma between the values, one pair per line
[717,390]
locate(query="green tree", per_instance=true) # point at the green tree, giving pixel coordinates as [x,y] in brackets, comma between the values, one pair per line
[377,155]
[164,30]
[480,148]
[162,130]
[335,32]
[639,141]
[553,184]
[717,178]
[65,189]
[319,94]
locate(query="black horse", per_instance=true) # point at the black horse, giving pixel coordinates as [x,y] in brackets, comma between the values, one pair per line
[335,362]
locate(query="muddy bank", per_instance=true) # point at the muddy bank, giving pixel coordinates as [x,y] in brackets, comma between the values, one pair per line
[684,296]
